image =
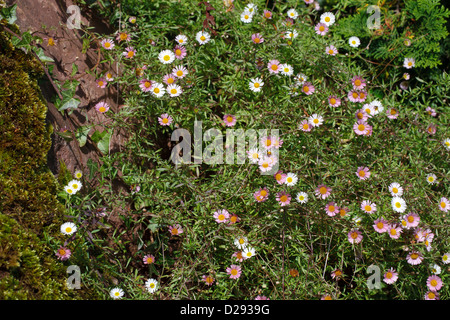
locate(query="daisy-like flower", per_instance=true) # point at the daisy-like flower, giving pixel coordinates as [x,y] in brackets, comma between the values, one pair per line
[157,89]
[202,37]
[334,101]
[109,77]
[406,76]
[305,126]
[234,219]
[265,164]
[286,69]
[261,195]
[252,8]
[398,204]
[444,204]
[248,252]
[151,285]
[256,84]
[390,276]
[63,253]
[78,174]
[280,177]
[431,295]
[267,142]
[292,13]
[123,36]
[392,113]
[308,88]
[261,298]
[362,115]
[377,107]
[354,236]
[180,52]
[246,16]
[435,269]
[208,279]
[234,271]
[446,258]
[75,185]
[108,44]
[328,18]
[229,119]
[331,50]
[354,42]
[166,56]
[331,209]
[431,129]
[254,155]
[181,39]
[267,14]
[381,225]
[69,190]
[369,109]
[343,212]
[221,216]
[408,63]
[291,179]
[129,52]
[321,28]
[358,83]
[353,96]
[394,231]
[149,259]
[283,198]
[446,143]
[302,197]
[174,90]
[322,191]
[175,230]
[165,119]
[257,38]
[362,173]
[357,220]
[326,296]
[414,258]
[132,20]
[362,96]
[68,228]
[403,85]
[361,127]
[139,71]
[116,293]
[431,178]
[434,283]
[145,85]
[169,78]
[300,78]
[430,111]
[368,207]
[241,242]
[291,34]
[273,66]
[102,107]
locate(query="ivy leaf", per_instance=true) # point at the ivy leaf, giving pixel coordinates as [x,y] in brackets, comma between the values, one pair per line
[41,55]
[9,13]
[71,103]
[81,135]
[103,144]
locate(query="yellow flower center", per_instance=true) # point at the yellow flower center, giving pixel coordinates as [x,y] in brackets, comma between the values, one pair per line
[234,272]
[327,19]
[354,235]
[152,285]
[330,51]
[414,256]
[289,179]
[203,38]
[333,101]
[156,90]
[393,232]
[100,83]
[361,127]
[410,219]
[389,275]
[394,190]
[166,57]
[323,190]
[102,109]
[62,252]
[283,198]
[433,283]
[256,85]
[123,36]
[179,73]
[107,44]
[263,193]
[130,54]
[342,212]
[51,42]
[361,95]
[305,88]
[174,231]
[178,52]
[431,295]
[380,225]
[165,120]
[229,119]
[443,204]
[68,229]
[362,173]
[149,260]
[173,91]
[147,84]
[355,95]
[368,208]
[256,40]
[246,17]
[357,82]
[306,126]
[274,67]
[331,208]
[321,28]
[359,115]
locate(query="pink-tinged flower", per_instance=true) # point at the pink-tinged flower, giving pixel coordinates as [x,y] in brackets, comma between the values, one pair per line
[403,85]
[266,164]
[109,77]
[334,101]
[419,234]
[358,83]
[149,259]
[267,142]
[368,207]
[326,296]
[134,188]
[230,120]
[257,38]
[129,53]
[165,119]
[145,85]
[283,198]
[234,271]
[180,72]
[412,220]
[434,283]
[169,78]
[408,63]
[180,52]
[123,36]
[390,276]
[361,127]
[132,20]
[208,279]
[234,219]
[321,29]
[102,107]
[362,115]
[380,225]
[101,83]
[336,274]
[108,44]
[280,177]
[431,111]
[444,204]
[322,191]
[261,298]
[392,113]
[369,131]
[238,256]
[406,76]
[63,253]
[139,71]
[430,295]
[363,173]
[354,236]
[175,230]
[305,126]
[332,209]
[261,195]
[431,129]
[353,96]
[362,96]
[267,14]
[308,88]
[414,258]
[331,50]
[395,231]
[221,216]
[274,66]
[343,211]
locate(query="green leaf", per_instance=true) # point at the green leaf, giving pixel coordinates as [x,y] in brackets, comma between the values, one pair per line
[97,135]
[93,167]
[9,13]
[103,144]
[41,55]
[81,135]
[72,103]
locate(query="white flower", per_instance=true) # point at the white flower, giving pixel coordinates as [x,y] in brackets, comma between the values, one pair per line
[202,37]
[369,109]
[75,185]
[68,228]
[302,197]
[446,143]
[151,285]
[431,178]
[377,107]
[286,69]
[292,34]
[252,8]
[315,120]
[246,17]
[166,56]
[398,204]
[78,174]
[254,155]
[116,293]
[248,252]
[241,242]
[435,269]
[256,84]
[181,39]
[328,18]
[174,90]
[292,14]
[291,179]
[157,89]
[354,42]
[408,63]
[69,190]
[300,78]
[395,189]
